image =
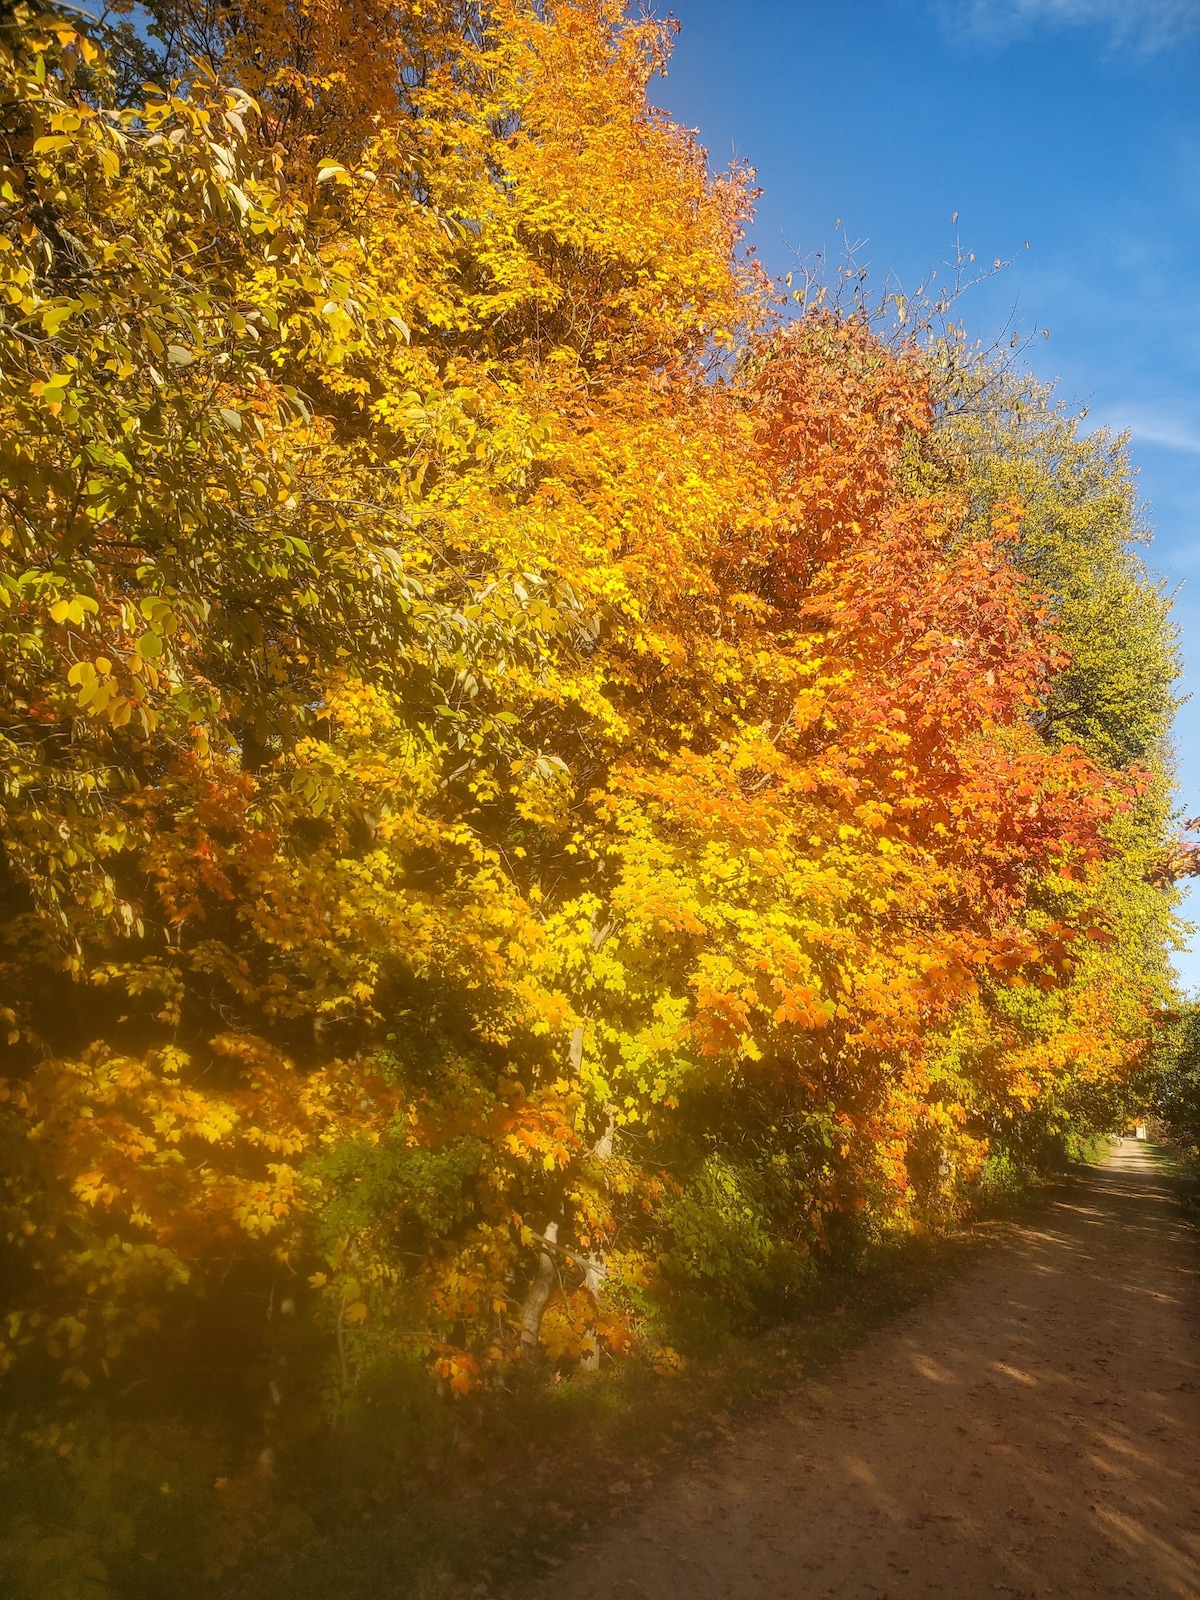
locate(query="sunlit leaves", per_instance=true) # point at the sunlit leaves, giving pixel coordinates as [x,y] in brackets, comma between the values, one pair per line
[484,775]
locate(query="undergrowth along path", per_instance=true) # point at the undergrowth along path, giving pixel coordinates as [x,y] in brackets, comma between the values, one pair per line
[1031,1431]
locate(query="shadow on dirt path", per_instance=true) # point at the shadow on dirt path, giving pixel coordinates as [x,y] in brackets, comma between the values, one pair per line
[1035,1430]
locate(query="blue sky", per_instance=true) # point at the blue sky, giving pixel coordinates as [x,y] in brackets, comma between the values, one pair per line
[1073,124]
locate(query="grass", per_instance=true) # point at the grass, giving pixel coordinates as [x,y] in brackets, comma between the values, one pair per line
[1181,1165]
[1177,1161]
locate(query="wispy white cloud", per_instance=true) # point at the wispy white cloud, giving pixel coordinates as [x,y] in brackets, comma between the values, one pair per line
[1171,429]
[1141,25]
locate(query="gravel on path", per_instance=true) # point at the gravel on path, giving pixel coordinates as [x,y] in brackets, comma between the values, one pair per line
[1034,1430]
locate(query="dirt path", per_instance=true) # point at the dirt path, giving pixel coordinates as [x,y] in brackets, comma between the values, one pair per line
[1033,1431]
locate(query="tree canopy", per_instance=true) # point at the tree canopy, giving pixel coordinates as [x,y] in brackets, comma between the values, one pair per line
[536,791]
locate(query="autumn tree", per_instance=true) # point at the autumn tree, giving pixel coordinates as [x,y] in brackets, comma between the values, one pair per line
[534,790]
[1006,436]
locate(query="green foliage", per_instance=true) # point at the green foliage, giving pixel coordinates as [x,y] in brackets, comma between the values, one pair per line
[1176,1088]
[1004,437]
[727,1230]
[366,1183]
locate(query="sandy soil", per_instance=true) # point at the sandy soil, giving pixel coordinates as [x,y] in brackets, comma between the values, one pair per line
[1035,1430]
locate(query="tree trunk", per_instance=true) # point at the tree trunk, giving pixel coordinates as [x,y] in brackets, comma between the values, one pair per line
[538,1295]
[593,1279]
[597,1263]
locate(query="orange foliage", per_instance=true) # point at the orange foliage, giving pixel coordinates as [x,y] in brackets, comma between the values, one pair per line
[582,778]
